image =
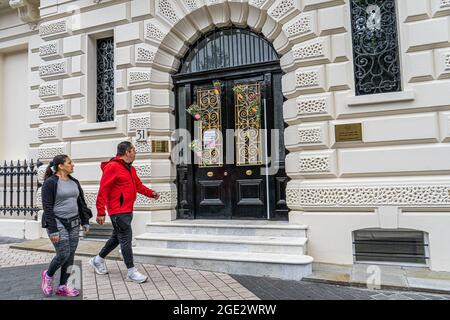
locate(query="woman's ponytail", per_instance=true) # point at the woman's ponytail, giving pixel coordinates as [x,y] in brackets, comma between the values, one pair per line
[53,165]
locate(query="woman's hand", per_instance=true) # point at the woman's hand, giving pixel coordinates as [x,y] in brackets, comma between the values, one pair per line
[54,239]
[86,229]
[156,195]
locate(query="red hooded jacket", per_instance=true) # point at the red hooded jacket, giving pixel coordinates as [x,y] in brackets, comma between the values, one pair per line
[118,188]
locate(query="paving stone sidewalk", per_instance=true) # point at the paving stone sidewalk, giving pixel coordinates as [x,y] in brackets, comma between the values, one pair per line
[21,268]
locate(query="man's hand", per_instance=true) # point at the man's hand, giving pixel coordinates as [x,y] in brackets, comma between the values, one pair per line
[156,195]
[54,239]
[100,219]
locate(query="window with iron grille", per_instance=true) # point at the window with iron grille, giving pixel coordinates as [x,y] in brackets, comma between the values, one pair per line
[390,246]
[105,79]
[375,46]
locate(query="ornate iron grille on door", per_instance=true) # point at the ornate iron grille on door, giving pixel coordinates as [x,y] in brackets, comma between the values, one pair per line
[210,127]
[247,101]
[19,185]
[375,46]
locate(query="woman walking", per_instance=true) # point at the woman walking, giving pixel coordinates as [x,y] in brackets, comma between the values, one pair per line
[65,210]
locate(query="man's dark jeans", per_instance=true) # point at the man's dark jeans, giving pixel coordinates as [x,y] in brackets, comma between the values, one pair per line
[122,235]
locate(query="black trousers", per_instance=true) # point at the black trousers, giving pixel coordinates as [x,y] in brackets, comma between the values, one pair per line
[123,235]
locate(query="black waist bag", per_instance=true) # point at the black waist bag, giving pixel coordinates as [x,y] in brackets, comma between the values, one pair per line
[70,223]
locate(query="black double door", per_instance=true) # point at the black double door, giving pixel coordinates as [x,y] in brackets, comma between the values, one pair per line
[231,153]
[224,172]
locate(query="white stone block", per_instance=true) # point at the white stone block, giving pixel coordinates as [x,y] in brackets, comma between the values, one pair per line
[419,127]
[124,57]
[420,66]
[417,10]
[340,47]
[50,132]
[102,16]
[333,20]
[34,61]
[129,33]
[138,77]
[78,108]
[339,76]
[74,87]
[120,80]
[97,149]
[428,34]
[388,216]
[78,65]
[74,45]
[142,8]
[122,102]
[375,161]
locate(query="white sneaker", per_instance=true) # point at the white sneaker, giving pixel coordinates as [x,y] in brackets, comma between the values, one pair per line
[135,276]
[99,266]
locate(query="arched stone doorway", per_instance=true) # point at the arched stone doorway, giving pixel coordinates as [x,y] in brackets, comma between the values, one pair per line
[229,101]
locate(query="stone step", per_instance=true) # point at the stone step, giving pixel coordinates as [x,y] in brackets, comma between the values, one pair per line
[262,244]
[283,266]
[229,227]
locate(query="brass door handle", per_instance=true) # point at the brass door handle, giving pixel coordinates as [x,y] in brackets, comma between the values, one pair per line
[210,174]
[225,173]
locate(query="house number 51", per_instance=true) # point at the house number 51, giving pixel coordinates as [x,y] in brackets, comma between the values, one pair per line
[141,135]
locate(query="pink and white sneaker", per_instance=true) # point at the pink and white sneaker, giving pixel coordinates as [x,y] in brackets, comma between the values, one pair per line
[46,284]
[67,291]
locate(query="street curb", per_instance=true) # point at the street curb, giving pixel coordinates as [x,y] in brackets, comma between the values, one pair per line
[382,287]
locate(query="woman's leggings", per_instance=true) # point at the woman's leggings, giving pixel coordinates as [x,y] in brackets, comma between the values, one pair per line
[65,252]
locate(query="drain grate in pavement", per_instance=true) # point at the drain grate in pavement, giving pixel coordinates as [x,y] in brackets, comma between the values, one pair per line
[24,283]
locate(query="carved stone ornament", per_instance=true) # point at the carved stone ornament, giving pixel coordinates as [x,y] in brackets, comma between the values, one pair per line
[28,11]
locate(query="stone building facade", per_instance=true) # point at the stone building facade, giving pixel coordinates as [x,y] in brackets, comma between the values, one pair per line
[394,176]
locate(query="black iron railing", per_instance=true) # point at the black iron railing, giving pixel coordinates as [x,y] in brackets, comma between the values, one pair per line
[18,188]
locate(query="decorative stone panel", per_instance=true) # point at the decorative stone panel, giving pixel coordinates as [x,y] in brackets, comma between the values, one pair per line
[50,90]
[142,146]
[152,32]
[312,106]
[310,135]
[54,69]
[442,63]
[304,26]
[167,199]
[140,98]
[54,28]
[166,10]
[369,196]
[138,121]
[50,50]
[257,3]
[53,110]
[314,164]
[48,152]
[144,54]
[281,8]
[191,4]
[310,78]
[143,170]
[318,49]
[49,132]
[136,77]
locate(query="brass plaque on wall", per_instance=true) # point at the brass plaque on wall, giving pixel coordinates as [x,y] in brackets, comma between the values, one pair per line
[348,132]
[160,146]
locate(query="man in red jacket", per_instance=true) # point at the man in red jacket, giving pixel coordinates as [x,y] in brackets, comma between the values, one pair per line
[118,188]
